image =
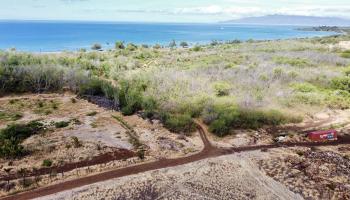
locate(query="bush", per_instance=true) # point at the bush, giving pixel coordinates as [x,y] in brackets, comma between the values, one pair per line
[222,117]
[179,123]
[130,97]
[76,142]
[10,116]
[297,62]
[90,114]
[47,163]
[256,119]
[304,87]
[96,46]
[157,46]
[131,47]
[196,48]
[119,45]
[345,54]
[222,88]
[12,136]
[341,83]
[219,127]
[184,44]
[62,124]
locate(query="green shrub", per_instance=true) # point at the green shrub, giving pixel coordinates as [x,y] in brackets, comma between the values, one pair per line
[338,99]
[62,124]
[220,127]
[130,97]
[222,88]
[297,62]
[119,45]
[12,136]
[341,83]
[179,123]
[196,48]
[141,154]
[76,142]
[47,163]
[304,87]
[10,116]
[73,100]
[184,44]
[345,54]
[131,47]
[90,114]
[222,117]
[157,46]
[96,46]
[92,87]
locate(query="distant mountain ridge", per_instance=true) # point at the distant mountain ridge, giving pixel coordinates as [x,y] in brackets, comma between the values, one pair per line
[292,20]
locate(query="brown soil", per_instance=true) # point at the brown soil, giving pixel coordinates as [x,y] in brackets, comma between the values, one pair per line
[117,154]
[207,152]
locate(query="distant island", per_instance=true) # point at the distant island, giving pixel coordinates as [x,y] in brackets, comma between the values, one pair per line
[323,28]
[297,20]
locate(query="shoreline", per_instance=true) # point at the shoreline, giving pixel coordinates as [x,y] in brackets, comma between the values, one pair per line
[223,34]
[191,44]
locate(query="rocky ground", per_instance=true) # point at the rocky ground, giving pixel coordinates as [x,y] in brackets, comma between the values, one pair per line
[95,128]
[227,177]
[317,173]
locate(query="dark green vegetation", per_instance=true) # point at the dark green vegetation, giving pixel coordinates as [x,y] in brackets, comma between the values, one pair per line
[47,163]
[7,116]
[62,124]
[12,137]
[345,54]
[229,85]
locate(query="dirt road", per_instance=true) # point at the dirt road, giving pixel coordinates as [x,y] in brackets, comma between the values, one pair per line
[207,152]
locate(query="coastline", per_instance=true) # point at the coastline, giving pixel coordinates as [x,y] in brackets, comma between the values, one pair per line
[74,36]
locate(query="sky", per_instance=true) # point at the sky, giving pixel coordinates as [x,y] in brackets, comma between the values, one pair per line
[166,10]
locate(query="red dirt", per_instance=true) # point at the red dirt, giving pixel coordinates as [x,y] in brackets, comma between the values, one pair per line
[207,152]
[117,154]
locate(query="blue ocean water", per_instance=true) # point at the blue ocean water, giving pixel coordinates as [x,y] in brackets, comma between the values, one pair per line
[58,36]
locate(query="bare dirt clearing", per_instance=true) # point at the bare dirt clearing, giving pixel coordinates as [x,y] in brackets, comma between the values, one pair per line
[226,177]
[96,131]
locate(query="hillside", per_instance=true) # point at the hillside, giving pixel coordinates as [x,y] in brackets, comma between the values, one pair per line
[292,20]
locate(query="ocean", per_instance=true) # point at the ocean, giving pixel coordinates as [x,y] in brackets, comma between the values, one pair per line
[43,36]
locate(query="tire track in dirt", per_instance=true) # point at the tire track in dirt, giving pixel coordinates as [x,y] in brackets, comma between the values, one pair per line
[208,151]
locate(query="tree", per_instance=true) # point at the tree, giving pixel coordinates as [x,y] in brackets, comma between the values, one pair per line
[184,44]
[96,46]
[119,45]
[172,44]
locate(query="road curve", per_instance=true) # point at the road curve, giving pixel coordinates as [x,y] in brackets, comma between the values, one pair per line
[208,151]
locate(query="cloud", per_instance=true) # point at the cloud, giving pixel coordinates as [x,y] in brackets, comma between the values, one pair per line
[243,11]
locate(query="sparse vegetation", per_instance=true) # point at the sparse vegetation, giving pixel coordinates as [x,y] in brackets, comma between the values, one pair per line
[12,136]
[62,124]
[261,83]
[90,114]
[47,163]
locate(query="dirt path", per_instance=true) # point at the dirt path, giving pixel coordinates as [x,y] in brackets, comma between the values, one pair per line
[207,152]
